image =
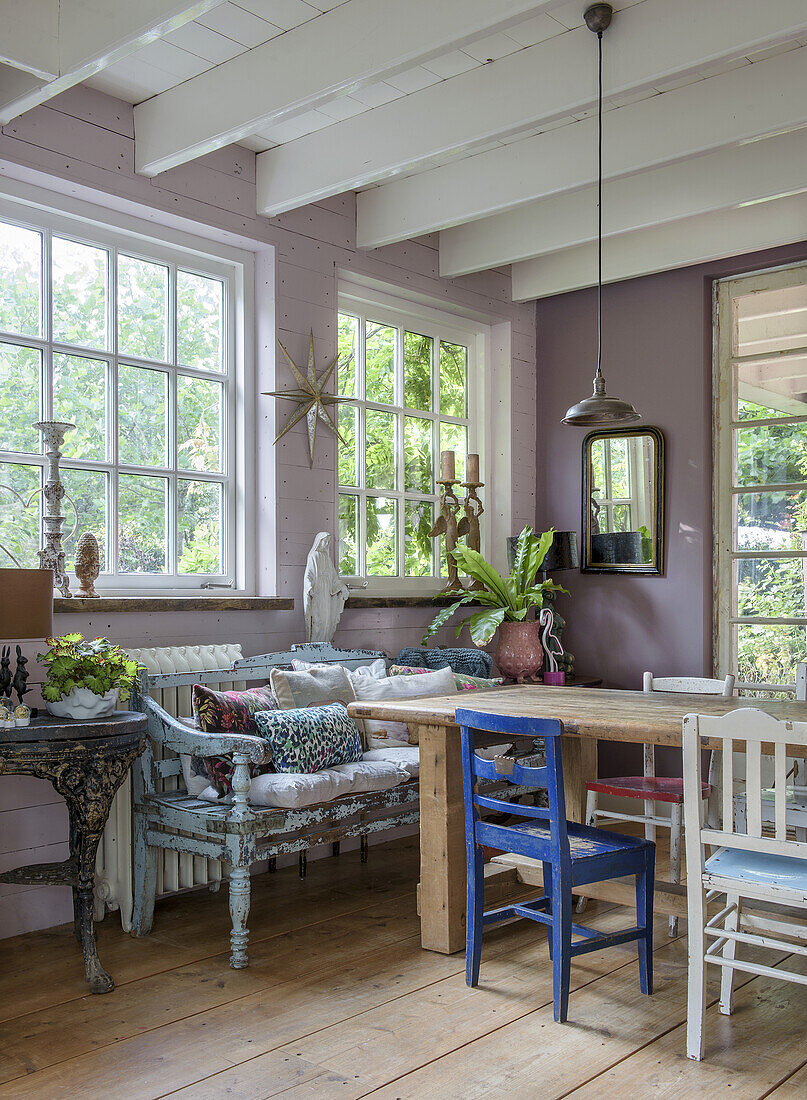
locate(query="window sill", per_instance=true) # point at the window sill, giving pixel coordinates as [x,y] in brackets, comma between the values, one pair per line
[356,602]
[173,603]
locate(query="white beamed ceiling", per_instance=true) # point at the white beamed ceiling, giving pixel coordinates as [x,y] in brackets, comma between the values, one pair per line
[471,118]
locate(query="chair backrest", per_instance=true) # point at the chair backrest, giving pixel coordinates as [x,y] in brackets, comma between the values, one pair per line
[759,731]
[506,770]
[691,685]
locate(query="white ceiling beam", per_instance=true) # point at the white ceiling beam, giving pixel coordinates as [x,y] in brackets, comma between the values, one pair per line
[648,44]
[764,169]
[93,34]
[354,45]
[30,39]
[745,103]
[678,244]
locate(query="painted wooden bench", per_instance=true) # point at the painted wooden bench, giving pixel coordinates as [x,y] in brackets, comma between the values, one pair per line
[237,832]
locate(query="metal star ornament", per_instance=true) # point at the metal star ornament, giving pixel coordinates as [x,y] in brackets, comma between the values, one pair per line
[311,399]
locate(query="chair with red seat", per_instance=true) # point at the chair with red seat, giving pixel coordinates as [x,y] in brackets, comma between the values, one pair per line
[651,788]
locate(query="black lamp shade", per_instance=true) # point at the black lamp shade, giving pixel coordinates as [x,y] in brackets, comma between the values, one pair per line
[562,553]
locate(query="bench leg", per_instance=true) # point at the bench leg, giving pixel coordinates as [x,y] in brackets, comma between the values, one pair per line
[365,847]
[145,880]
[239,911]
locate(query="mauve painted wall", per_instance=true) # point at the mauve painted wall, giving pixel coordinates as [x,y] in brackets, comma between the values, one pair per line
[657,341]
[82,144]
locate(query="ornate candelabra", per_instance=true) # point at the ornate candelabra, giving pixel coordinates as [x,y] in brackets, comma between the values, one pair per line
[448,523]
[473,507]
[52,556]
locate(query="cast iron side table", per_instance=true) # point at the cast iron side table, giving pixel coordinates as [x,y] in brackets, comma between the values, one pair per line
[86,761]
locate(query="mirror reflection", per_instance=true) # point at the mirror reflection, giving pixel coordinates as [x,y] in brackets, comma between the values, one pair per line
[622,506]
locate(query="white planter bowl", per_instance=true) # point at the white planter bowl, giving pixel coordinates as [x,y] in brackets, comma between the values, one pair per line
[83,703]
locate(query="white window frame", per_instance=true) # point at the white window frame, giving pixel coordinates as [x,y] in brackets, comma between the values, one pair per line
[425,320]
[38,209]
[724,487]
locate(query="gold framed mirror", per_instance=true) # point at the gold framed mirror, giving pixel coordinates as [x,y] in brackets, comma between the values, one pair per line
[623,501]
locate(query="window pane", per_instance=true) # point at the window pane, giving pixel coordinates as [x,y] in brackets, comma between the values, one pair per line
[771,587]
[620,481]
[418,371]
[776,388]
[453,379]
[453,437]
[88,491]
[773,453]
[142,523]
[142,416]
[769,653]
[771,320]
[379,351]
[200,321]
[348,474]
[348,337]
[79,397]
[348,537]
[418,455]
[19,526]
[380,447]
[382,537]
[20,386]
[622,517]
[80,282]
[771,521]
[142,308]
[200,405]
[199,548]
[418,521]
[20,280]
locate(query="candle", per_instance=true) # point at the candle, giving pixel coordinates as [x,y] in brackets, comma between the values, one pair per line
[447,466]
[472,469]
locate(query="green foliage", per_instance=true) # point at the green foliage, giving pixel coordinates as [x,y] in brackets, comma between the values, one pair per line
[508,599]
[98,665]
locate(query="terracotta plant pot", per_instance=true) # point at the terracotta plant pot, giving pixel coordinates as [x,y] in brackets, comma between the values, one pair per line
[519,653]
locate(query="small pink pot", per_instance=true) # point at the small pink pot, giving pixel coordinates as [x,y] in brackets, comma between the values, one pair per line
[519,653]
[554,679]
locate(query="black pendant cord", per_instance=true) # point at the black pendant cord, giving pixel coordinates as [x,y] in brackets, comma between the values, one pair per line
[599,208]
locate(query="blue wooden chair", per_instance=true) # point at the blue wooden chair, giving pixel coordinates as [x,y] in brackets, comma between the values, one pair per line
[572,855]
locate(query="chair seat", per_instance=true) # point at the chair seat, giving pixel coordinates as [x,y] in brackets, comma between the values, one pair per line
[785,873]
[584,842]
[657,788]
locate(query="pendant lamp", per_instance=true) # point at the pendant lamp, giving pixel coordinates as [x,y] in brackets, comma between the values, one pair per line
[599,409]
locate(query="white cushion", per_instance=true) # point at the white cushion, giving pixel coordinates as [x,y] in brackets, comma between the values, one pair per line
[407,758]
[292,790]
[376,670]
[368,690]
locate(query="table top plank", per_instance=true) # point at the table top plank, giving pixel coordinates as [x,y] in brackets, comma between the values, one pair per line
[605,714]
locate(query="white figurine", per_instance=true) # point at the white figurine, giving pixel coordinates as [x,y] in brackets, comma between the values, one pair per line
[324,592]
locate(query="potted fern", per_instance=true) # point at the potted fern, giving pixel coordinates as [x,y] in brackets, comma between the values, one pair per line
[508,601]
[85,678]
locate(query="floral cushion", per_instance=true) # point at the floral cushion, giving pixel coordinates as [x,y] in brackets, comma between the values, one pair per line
[308,739]
[463,682]
[230,711]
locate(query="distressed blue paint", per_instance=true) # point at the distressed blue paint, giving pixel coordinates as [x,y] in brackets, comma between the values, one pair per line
[572,855]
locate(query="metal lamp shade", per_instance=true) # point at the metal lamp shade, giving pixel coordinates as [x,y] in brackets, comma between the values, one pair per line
[600,409]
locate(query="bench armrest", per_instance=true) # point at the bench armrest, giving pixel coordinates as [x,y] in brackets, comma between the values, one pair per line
[172,733]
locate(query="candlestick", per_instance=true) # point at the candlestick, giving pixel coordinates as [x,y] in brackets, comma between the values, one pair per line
[52,556]
[447,525]
[447,468]
[472,469]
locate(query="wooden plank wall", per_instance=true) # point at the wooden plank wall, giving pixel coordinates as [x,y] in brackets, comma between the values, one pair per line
[82,143]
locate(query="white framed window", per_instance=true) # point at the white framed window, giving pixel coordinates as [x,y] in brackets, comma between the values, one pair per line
[415,374]
[760,476]
[140,344]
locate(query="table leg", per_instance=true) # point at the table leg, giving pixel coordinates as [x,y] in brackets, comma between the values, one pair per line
[86,842]
[442,841]
[579,765]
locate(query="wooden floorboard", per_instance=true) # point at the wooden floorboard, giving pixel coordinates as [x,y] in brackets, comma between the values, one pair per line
[340,1001]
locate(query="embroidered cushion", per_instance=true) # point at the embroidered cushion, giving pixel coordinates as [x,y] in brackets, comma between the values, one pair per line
[233,711]
[463,682]
[309,739]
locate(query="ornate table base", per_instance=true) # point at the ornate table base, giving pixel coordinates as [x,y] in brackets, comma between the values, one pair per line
[86,763]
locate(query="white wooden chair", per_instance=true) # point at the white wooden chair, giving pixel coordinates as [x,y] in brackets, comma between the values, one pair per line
[796,792]
[743,865]
[651,788]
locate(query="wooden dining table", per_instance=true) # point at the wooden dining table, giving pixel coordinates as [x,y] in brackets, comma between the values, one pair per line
[588,716]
